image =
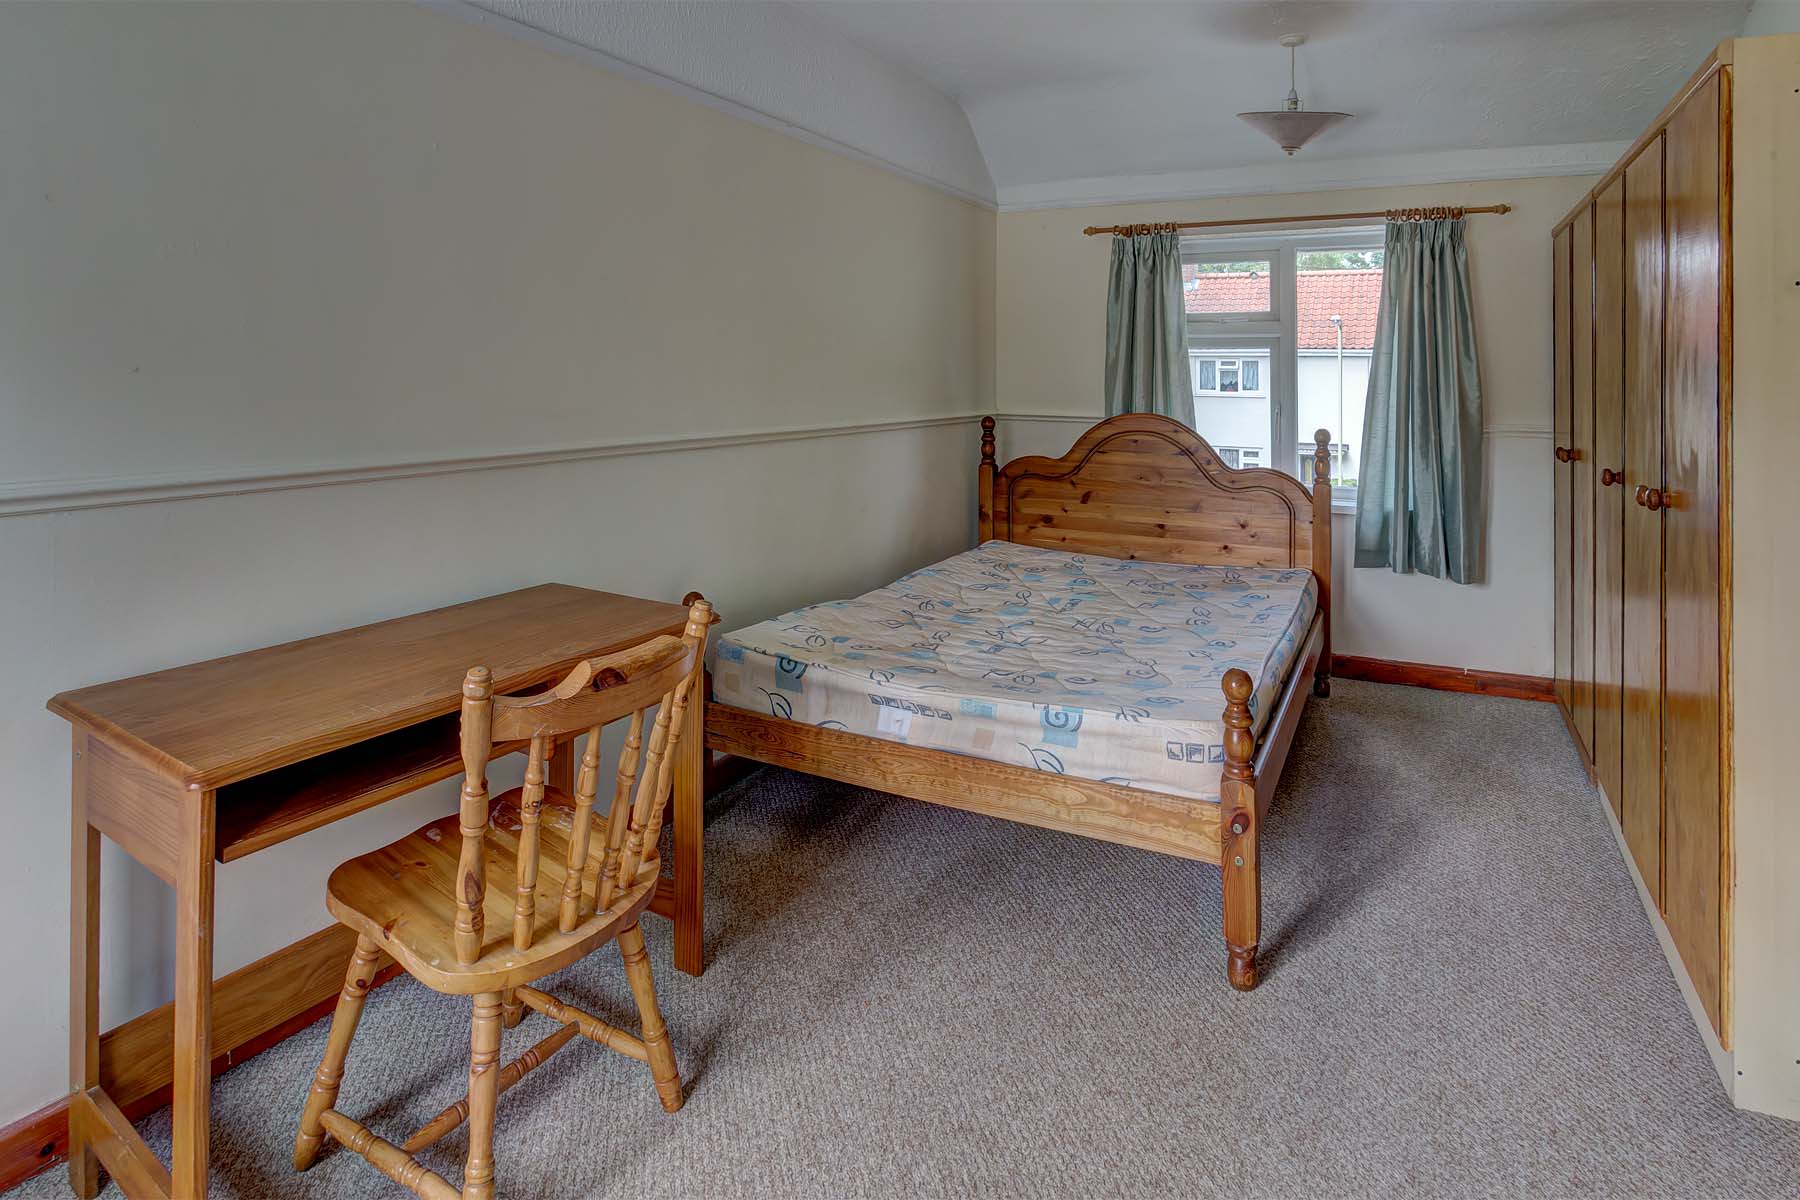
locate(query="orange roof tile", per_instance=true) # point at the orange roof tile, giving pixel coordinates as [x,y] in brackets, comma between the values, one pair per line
[1353,295]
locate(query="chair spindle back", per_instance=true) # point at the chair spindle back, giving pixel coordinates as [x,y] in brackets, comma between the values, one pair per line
[664,672]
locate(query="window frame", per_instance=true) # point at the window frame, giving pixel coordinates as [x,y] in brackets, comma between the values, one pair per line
[1278,327]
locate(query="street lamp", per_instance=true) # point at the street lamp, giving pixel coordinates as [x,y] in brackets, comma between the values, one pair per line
[1343,442]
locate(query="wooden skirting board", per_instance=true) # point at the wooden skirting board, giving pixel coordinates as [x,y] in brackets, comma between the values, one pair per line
[253,1008]
[1443,679]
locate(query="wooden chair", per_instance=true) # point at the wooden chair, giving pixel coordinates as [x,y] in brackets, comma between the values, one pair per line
[552,878]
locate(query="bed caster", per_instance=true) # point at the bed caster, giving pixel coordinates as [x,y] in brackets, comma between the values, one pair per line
[1242,968]
[1321,686]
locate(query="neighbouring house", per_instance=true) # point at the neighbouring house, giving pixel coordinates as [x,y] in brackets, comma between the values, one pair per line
[1234,387]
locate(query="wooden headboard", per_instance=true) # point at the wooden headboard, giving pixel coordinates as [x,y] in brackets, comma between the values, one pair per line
[1144,486]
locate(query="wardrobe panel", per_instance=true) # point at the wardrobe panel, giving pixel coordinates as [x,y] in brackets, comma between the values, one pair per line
[1561,570]
[1609,492]
[1581,476]
[1692,733]
[1641,778]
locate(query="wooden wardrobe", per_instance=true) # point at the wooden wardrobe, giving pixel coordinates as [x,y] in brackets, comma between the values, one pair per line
[1642,301]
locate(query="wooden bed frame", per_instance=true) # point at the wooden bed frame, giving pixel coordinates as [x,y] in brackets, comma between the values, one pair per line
[1133,486]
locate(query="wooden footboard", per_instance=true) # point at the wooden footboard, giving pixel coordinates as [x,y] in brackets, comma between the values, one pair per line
[1226,833]
[1128,816]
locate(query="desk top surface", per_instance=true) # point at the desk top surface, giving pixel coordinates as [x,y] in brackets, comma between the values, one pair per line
[216,722]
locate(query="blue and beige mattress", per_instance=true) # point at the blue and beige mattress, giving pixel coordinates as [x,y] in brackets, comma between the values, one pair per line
[1095,667]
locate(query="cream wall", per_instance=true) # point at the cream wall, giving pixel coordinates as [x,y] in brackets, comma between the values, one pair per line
[1764,913]
[274,236]
[1772,16]
[253,239]
[1050,355]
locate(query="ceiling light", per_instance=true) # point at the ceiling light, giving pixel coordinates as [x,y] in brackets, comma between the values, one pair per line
[1291,126]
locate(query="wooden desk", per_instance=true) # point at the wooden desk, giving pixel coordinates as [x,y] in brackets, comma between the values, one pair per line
[210,762]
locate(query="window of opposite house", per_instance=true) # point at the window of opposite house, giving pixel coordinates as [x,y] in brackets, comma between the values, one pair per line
[1226,376]
[1281,329]
[1240,456]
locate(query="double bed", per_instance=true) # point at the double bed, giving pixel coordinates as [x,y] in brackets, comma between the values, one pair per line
[1124,656]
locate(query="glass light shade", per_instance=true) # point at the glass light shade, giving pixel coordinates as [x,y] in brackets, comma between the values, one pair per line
[1291,128]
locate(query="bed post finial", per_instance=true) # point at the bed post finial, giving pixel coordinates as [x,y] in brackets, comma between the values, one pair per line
[1240,746]
[984,483]
[1238,853]
[1322,457]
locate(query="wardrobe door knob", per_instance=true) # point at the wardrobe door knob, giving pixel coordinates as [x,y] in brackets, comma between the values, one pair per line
[1562,454]
[1639,496]
[1654,499]
[1608,477]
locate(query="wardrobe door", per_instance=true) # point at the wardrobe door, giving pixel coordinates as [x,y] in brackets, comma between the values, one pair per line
[1690,511]
[1609,494]
[1560,512]
[1581,476]
[1641,779]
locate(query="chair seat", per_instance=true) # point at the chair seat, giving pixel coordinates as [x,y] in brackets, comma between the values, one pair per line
[403,898]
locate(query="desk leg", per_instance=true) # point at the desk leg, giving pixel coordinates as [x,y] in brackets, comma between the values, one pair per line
[561,773]
[193,997]
[84,970]
[690,835]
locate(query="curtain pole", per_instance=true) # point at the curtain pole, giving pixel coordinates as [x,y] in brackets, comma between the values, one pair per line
[1390,214]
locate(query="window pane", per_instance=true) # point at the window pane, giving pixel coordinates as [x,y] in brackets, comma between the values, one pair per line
[1337,295]
[1227,287]
[1251,383]
[1339,260]
[1237,426]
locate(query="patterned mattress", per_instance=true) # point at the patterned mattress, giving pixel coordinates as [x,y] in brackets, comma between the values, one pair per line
[1094,667]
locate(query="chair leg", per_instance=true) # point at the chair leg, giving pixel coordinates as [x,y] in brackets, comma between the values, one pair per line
[330,1076]
[512,1009]
[484,1094]
[663,1070]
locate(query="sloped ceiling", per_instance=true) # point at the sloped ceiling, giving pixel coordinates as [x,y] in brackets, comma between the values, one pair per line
[1083,90]
[781,65]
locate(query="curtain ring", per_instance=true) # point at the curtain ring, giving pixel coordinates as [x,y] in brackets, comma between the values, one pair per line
[1437,213]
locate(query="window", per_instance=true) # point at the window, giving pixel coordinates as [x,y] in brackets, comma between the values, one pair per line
[1281,329]
[1226,376]
[1225,288]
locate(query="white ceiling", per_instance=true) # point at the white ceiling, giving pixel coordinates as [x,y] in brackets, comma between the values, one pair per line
[1060,91]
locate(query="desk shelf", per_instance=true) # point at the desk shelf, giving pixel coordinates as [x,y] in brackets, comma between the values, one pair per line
[271,808]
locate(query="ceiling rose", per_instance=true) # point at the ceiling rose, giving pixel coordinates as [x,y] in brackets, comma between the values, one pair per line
[1292,126]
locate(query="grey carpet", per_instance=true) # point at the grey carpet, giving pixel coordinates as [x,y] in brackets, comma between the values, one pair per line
[1462,998]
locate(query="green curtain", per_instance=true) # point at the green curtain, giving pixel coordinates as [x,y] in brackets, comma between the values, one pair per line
[1419,499]
[1146,329]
